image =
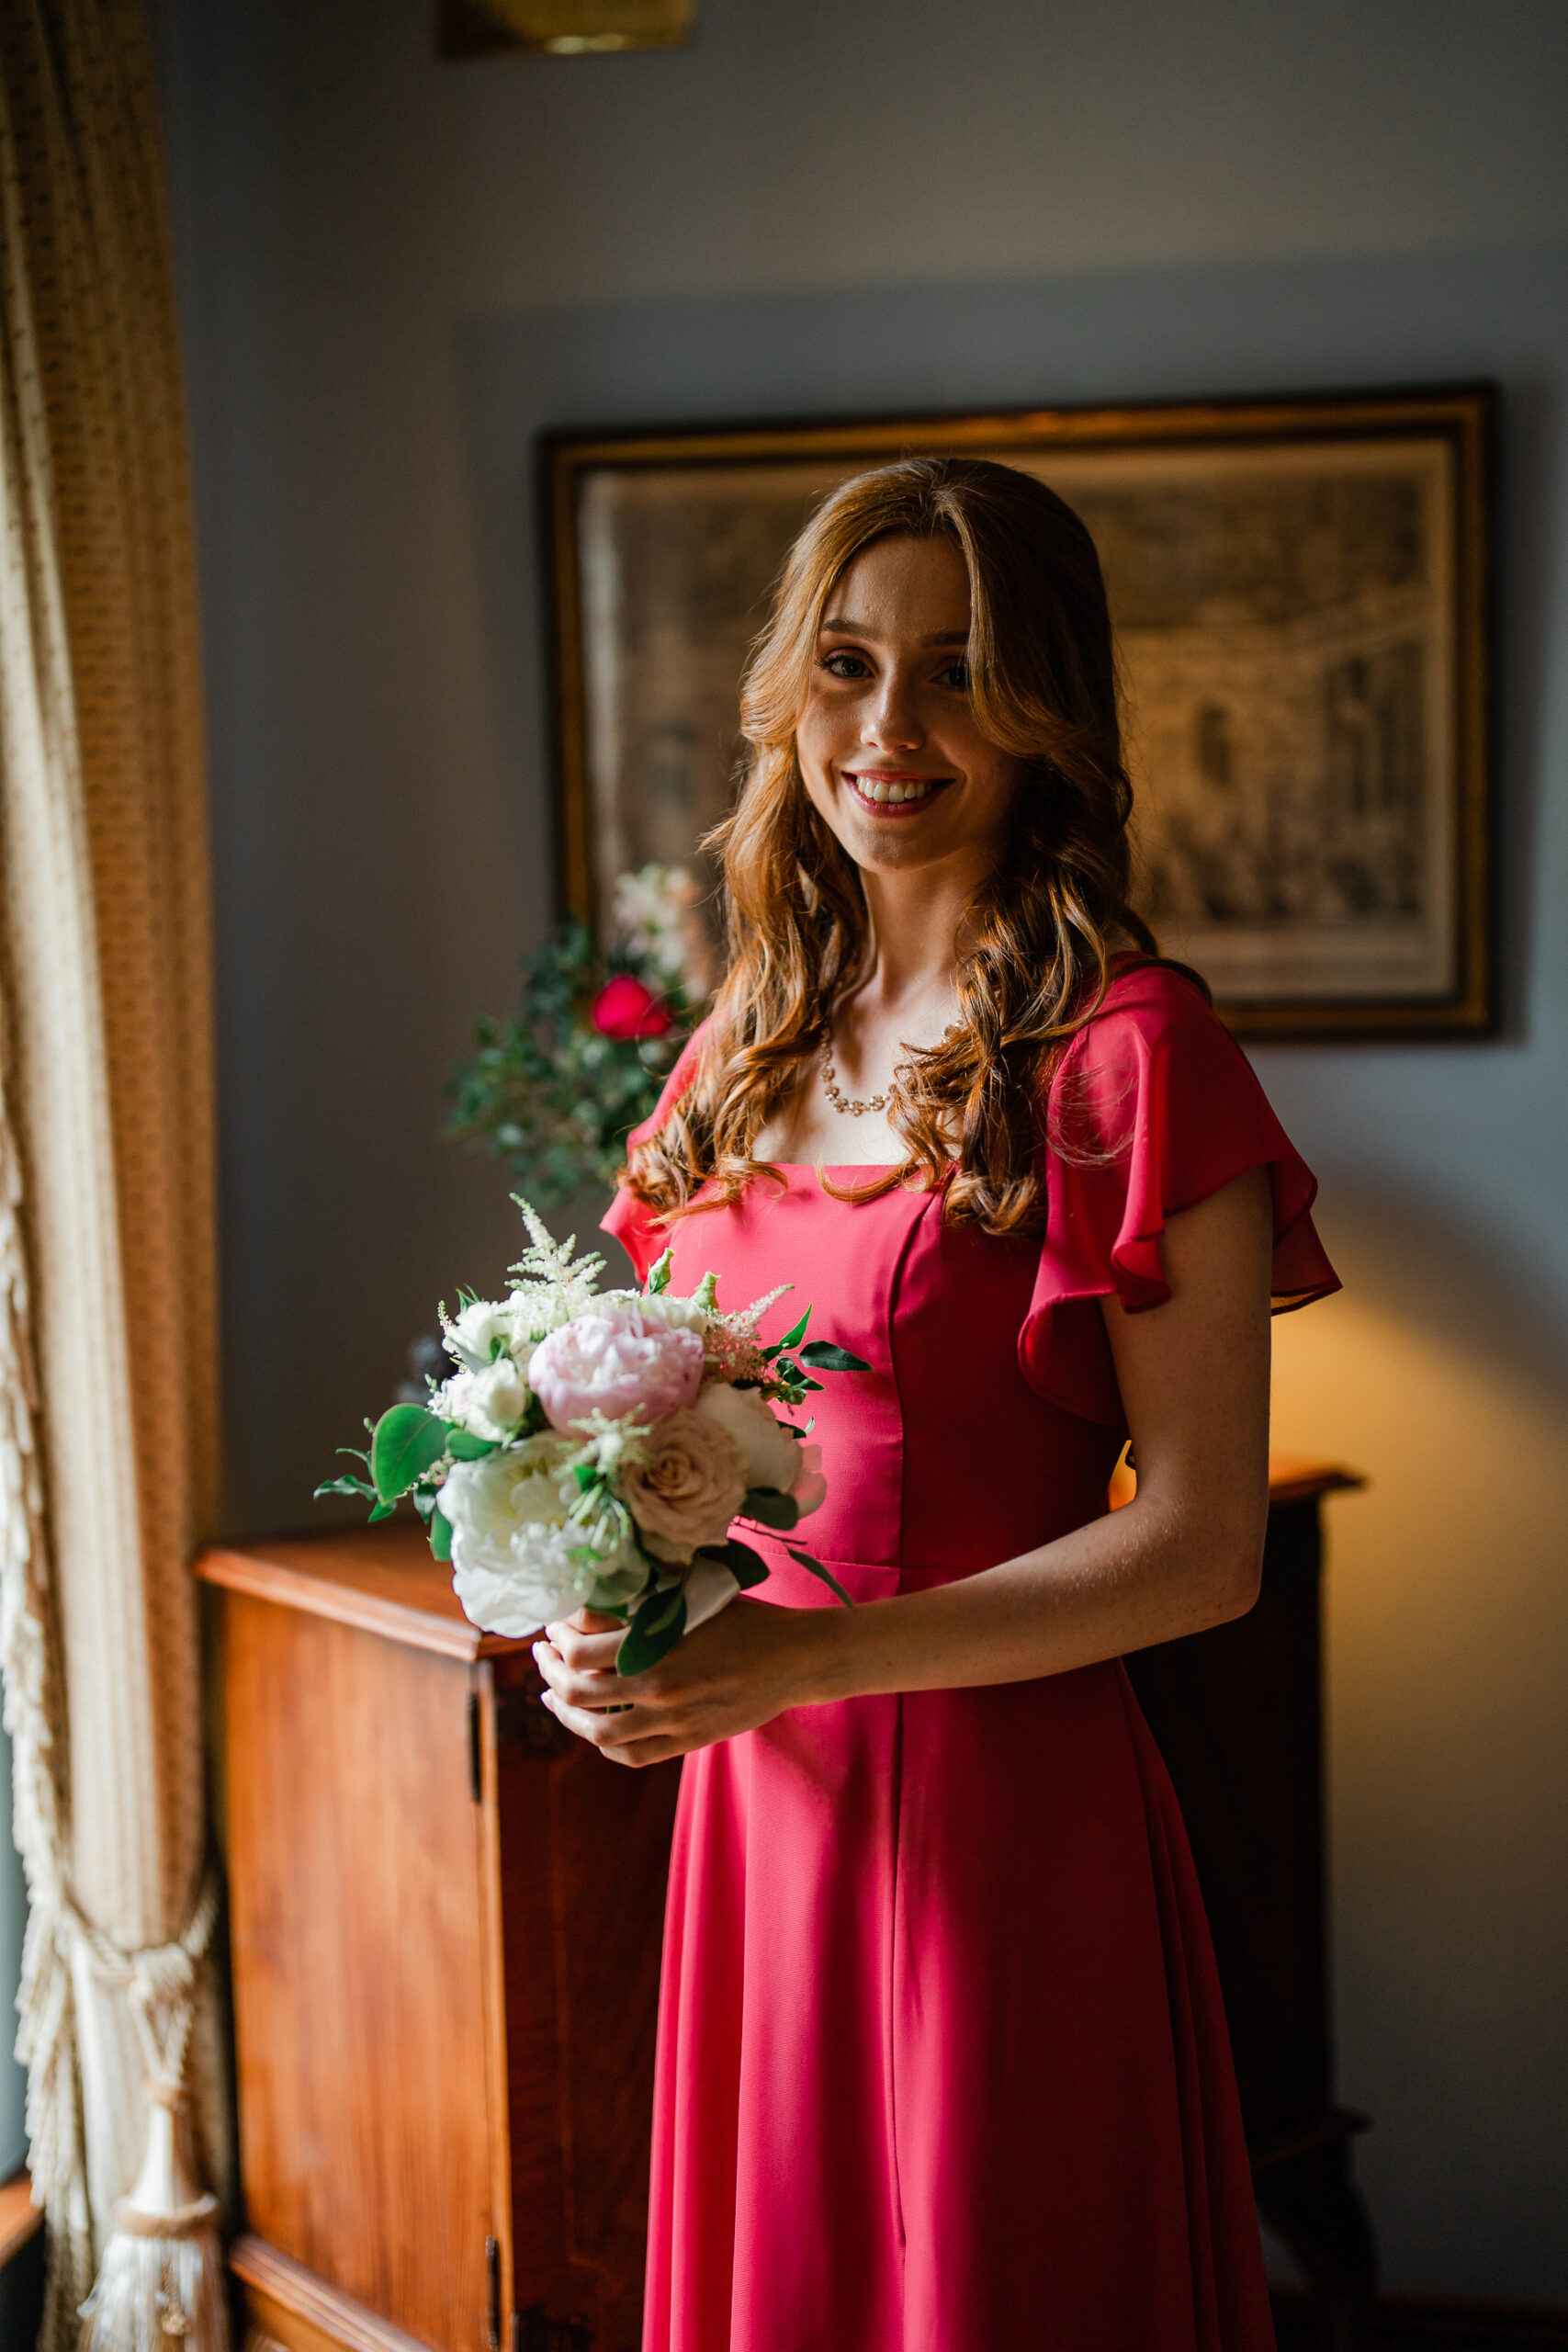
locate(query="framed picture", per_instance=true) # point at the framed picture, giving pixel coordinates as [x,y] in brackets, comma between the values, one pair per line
[1299,593]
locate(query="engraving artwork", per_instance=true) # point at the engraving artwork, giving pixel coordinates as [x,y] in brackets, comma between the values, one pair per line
[1289,624]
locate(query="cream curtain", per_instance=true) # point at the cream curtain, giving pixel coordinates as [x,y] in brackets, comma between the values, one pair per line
[108,1444]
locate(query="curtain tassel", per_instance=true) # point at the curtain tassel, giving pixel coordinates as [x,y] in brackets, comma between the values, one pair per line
[160,2288]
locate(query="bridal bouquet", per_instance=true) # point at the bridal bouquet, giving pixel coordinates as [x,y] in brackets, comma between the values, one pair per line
[591,1449]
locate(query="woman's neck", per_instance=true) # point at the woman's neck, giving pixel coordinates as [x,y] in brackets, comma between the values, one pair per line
[915,922]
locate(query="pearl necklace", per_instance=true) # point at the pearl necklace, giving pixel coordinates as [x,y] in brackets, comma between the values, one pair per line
[841,1102]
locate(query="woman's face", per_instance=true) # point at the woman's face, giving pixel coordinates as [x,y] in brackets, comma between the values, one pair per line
[888,745]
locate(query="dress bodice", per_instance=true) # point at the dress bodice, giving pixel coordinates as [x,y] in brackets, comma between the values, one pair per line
[989,1419]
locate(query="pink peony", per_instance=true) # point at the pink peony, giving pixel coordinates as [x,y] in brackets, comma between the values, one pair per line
[624,1007]
[617,1362]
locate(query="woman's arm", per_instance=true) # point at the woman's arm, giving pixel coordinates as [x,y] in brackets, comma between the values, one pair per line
[1185,1553]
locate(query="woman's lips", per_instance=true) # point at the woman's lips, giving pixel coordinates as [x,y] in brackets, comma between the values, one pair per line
[885,793]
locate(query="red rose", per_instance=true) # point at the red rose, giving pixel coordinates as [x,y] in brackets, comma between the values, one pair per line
[624,1007]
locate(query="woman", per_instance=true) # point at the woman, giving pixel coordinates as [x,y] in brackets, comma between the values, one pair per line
[942,2065]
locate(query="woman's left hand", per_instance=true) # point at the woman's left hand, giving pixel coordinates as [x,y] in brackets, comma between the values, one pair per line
[741,1669]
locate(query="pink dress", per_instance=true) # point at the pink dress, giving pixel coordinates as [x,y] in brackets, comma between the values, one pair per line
[942,2065]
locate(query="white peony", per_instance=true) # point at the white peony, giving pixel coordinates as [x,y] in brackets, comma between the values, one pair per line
[512,1569]
[772,1456]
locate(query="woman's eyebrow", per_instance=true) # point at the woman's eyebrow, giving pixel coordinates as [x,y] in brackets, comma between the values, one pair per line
[857,628]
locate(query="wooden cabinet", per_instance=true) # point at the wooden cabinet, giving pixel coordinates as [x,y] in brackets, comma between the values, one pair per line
[445,1920]
[445,1923]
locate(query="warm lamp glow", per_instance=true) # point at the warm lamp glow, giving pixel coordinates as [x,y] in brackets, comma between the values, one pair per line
[562,28]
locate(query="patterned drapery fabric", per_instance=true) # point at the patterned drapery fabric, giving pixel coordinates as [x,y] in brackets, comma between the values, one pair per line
[107,1284]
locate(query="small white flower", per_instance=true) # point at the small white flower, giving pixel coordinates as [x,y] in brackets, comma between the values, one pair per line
[664,1307]
[657,914]
[488,1326]
[489,1404]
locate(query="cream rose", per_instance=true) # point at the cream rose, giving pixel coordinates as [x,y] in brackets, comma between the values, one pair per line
[690,1487]
[772,1456]
[810,1489]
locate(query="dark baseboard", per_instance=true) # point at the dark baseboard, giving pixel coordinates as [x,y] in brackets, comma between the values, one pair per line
[1408,2324]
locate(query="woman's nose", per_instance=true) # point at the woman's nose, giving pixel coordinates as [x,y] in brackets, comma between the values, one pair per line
[893,723]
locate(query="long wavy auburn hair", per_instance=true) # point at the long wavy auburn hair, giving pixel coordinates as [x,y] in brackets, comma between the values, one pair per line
[1041,930]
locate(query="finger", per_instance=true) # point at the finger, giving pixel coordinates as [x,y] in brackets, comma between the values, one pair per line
[599,1727]
[579,1689]
[581,1648]
[660,1749]
[574,1660]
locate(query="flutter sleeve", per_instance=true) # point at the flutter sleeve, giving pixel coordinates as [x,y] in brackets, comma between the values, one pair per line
[1153,1108]
[633,1223]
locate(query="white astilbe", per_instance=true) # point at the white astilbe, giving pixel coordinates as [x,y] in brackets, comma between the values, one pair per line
[609,1446]
[550,1285]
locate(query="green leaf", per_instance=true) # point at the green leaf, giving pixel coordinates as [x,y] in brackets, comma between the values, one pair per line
[463,1446]
[405,1442]
[653,1632]
[587,1474]
[823,1356]
[827,1576]
[440,1530]
[793,1338]
[748,1567]
[769,1507]
[346,1485]
[383,1510]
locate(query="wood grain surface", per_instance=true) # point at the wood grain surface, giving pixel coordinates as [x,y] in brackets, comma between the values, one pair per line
[287,2305]
[382,1578]
[359,1969]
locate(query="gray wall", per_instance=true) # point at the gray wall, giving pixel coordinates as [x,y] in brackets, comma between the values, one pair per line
[395,273]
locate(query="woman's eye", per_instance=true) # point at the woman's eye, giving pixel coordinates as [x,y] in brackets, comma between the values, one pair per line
[955,675]
[845,665]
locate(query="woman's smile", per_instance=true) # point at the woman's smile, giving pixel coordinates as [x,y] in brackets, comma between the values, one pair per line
[892,792]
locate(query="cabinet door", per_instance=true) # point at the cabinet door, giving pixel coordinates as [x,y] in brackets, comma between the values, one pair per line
[584,1856]
[355,1851]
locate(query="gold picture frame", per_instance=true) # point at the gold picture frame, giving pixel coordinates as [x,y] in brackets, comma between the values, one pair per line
[561,27]
[1300,588]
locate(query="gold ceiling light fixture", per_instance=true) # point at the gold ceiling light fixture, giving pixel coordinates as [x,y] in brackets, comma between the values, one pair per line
[562,28]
